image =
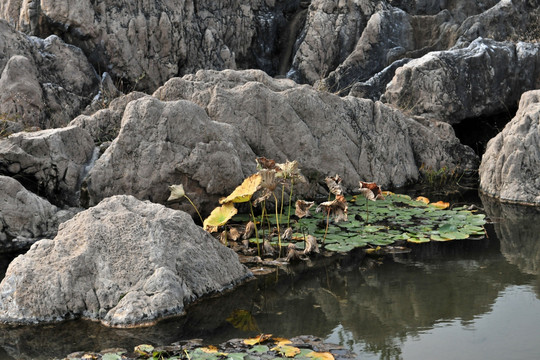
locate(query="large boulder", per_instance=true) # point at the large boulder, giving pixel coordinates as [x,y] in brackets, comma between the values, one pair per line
[25,217]
[44,82]
[206,130]
[510,168]
[487,77]
[123,262]
[50,162]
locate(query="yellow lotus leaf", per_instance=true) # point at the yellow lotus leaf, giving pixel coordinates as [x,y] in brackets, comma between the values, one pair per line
[219,216]
[440,204]
[320,355]
[244,192]
[286,350]
[387,193]
[258,339]
[423,199]
[210,349]
[281,341]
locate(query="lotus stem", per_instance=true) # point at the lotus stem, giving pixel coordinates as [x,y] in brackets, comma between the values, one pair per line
[290,200]
[256,231]
[279,232]
[192,204]
[326,229]
[281,205]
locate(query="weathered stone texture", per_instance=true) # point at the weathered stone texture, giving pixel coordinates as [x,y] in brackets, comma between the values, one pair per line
[124,262]
[510,168]
[48,162]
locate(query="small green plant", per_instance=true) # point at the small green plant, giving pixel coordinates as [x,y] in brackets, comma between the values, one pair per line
[439,178]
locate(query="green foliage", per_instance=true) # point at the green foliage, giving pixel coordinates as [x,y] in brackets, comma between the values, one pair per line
[398,218]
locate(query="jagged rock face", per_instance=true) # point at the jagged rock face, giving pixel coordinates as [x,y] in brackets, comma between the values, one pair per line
[206,130]
[48,162]
[25,217]
[487,77]
[146,43]
[411,29]
[510,168]
[45,83]
[123,262]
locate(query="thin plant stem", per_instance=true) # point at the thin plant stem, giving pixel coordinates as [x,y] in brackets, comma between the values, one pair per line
[290,200]
[278,232]
[192,204]
[281,206]
[326,229]
[256,231]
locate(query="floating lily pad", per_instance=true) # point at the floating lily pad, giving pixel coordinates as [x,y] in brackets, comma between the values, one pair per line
[398,218]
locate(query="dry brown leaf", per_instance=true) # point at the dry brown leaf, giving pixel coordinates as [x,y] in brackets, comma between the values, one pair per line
[334,184]
[250,228]
[223,238]
[311,245]
[287,234]
[234,234]
[371,191]
[264,163]
[302,208]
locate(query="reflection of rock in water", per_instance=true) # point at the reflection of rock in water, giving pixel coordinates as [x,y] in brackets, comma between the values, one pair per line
[376,304]
[518,229]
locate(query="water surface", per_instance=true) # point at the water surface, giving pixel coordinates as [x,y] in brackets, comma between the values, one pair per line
[471,299]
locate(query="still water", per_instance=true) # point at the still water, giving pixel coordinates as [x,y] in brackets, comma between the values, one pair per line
[469,299]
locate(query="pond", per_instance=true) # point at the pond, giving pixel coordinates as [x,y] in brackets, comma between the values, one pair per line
[469,299]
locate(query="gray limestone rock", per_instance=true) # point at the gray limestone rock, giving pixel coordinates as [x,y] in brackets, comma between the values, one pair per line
[487,77]
[26,217]
[44,82]
[510,168]
[207,129]
[123,262]
[48,162]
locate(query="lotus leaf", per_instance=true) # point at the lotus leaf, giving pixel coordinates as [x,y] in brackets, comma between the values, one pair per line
[287,350]
[320,355]
[245,191]
[219,216]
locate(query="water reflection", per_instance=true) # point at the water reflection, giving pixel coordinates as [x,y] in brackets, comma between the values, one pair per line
[389,308]
[518,229]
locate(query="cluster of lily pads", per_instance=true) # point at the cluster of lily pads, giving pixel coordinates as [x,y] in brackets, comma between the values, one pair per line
[371,218]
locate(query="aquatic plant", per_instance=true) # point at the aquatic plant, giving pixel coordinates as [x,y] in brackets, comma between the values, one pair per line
[177,193]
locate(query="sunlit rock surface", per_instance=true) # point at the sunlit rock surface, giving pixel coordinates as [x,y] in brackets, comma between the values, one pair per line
[510,168]
[205,130]
[124,262]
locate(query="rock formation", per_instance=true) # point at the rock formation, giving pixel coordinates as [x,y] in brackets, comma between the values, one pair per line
[26,217]
[510,168]
[207,129]
[45,83]
[50,162]
[124,262]
[487,77]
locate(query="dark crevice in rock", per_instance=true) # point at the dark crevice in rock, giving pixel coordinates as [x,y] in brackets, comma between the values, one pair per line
[476,132]
[277,31]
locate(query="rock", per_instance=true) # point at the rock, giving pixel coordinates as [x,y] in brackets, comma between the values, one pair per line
[48,162]
[26,217]
[123,262]
[397,30]
[331,33]
[45,83]
[164,143]
[144,44]
[487,77]
[207,129]
[510,168]
[104,124]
